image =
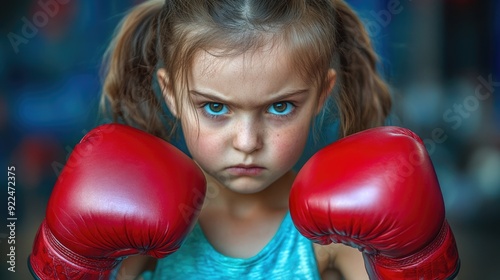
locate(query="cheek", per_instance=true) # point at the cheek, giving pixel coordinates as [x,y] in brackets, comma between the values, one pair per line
[203,144]
[289,144]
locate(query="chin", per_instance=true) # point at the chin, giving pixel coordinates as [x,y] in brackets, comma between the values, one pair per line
[246,186]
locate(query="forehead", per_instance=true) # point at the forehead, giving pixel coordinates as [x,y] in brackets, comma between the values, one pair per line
[209,62]
[263,71]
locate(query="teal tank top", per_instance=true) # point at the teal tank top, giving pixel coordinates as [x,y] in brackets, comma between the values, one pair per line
[287,256]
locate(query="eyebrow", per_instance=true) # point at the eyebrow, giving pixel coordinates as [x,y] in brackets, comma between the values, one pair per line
[283,96]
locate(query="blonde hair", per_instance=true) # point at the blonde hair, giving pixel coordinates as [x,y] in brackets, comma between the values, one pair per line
[322,34]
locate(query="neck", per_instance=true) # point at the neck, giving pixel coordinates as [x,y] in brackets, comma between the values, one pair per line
[274,196]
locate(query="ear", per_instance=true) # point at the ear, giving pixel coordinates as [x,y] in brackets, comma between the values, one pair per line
[331,78]
[166,90]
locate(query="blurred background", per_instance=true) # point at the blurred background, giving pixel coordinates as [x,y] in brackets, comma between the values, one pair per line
[441,58]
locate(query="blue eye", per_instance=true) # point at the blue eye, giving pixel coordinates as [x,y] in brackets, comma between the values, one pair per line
[281,108]
[215,109]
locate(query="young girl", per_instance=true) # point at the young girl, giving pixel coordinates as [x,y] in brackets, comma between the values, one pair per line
[245,80]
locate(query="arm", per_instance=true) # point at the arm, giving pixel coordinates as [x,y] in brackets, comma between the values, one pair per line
[337,261]
[133,266]
[349,262]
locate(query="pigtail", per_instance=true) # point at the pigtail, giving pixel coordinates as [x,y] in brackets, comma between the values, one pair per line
[363,99]
[130,64]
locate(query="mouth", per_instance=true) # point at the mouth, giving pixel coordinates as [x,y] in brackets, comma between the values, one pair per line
[245,170]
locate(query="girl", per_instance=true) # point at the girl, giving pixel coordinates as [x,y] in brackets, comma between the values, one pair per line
[244,80]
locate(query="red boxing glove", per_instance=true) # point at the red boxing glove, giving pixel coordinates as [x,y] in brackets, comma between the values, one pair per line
[122,192]
[377,191]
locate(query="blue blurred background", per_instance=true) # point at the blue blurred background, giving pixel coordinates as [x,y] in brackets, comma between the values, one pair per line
[441,58]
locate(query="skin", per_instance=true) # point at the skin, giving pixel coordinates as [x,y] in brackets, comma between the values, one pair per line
[246,127]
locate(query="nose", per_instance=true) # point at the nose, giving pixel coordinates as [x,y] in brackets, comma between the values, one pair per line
[248,136]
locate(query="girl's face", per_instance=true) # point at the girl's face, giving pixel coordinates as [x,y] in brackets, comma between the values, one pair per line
[249,118]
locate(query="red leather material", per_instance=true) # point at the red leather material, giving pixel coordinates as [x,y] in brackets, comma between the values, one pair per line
[377,191]
[121,192]
[51,260]
[438,260]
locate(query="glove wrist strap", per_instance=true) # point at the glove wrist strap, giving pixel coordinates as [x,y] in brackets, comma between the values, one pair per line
[52,260]
[438,260]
